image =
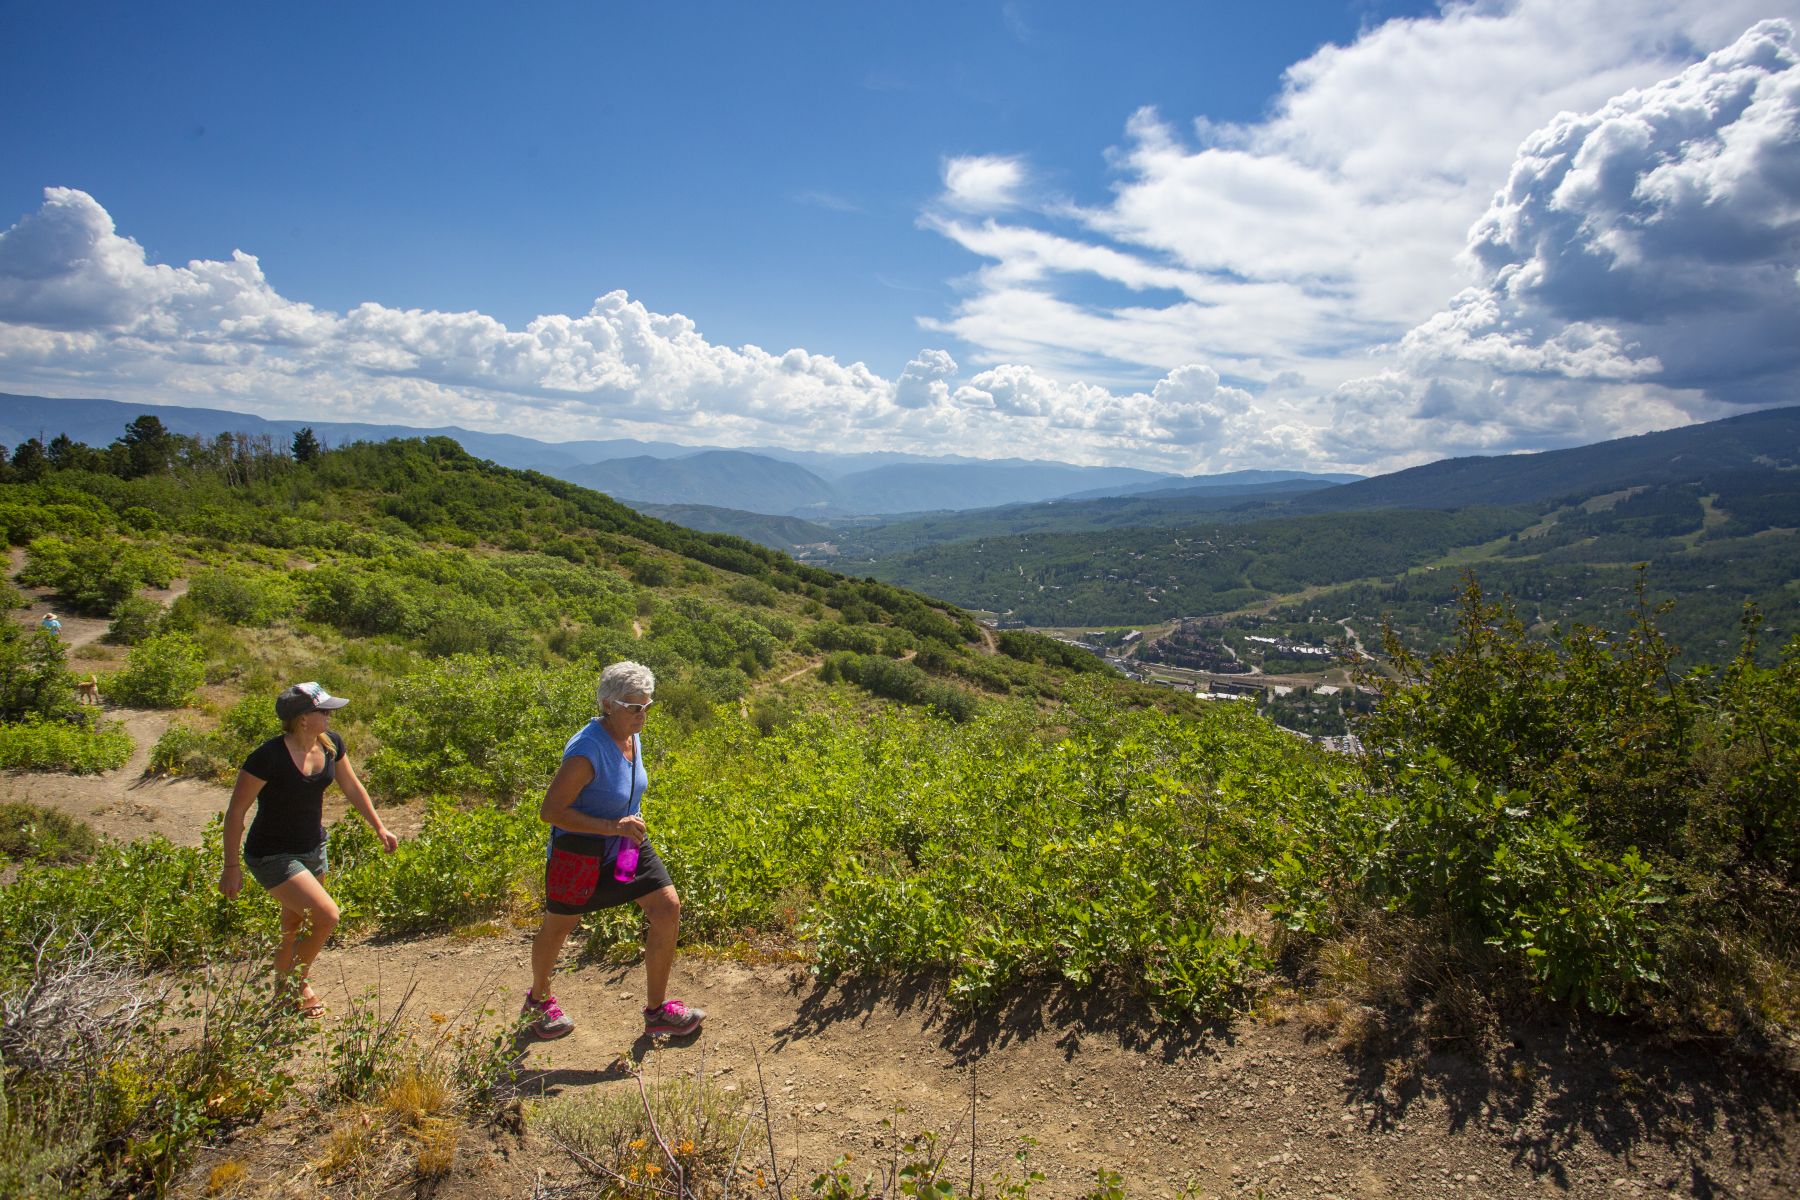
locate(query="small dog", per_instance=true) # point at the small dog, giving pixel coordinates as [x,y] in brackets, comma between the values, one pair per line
[87,691]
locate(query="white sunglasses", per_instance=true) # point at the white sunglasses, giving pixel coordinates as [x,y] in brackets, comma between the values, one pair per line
[636,708]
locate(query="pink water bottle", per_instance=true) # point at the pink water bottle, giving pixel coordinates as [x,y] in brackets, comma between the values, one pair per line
[625,866]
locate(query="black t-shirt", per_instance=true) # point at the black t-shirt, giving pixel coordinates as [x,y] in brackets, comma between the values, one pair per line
[290,807]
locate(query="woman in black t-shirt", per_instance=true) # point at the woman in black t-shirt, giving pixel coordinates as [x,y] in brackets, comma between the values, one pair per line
[286,778]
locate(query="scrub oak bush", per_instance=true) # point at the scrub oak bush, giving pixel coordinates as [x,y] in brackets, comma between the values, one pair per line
[92,574]
[33,682]
[31,832]
[480,728]
[217,753]
[162,671]
[133,619]
[1621,834]
[83,747]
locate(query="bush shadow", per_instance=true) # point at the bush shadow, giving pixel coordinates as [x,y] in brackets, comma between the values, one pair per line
[1548,1089]
[1023,1013]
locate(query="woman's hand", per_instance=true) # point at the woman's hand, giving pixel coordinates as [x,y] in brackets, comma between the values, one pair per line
[389,842]
[231,880]
[632,827]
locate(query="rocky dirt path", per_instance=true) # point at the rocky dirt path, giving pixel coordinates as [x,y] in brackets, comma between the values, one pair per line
[123,803]
[1259,1107]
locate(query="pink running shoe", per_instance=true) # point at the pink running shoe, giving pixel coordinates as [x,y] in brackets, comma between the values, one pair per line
[673,1019]
[546,1017]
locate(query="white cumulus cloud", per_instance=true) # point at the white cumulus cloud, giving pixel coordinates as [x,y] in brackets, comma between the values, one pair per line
[1331,242]
[82,310]
[1637,269]
[983,183]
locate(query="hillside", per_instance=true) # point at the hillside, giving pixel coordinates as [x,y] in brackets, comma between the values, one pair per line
[786,534]
[1769,439]
[859,781]
[922,487]
[1227,502]
[1711,510]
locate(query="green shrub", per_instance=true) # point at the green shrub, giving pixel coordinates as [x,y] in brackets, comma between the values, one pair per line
[478,727]
[39,745]
[752,592]
[1577,807]
[93,574]
[134,619]
[900,681]
[32,833]
[216,755]
[33,682]
[162,671]
[463,865]
[1035,647]
[240,596]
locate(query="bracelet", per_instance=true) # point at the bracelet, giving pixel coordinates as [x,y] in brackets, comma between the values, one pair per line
[232,867]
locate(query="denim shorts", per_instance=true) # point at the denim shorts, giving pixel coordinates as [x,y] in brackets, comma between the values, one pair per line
[273,870]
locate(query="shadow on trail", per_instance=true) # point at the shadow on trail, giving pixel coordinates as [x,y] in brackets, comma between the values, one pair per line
[1552,1086]
[1024,1013]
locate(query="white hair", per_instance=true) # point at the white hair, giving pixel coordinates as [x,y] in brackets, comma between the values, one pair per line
[620,680]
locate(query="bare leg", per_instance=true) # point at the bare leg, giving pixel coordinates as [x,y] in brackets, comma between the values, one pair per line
[545,947]
[302,898]
[663,910]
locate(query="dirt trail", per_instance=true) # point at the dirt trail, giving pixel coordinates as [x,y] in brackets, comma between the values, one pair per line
[811,665]
[1253,1108]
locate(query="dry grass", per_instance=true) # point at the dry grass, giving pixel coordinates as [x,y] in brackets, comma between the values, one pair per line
[435,1140]
[417,1095]
[227,1179]
[351,1149]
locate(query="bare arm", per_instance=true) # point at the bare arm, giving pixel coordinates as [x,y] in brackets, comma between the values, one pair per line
[358,795]
[576,773]
[243,795]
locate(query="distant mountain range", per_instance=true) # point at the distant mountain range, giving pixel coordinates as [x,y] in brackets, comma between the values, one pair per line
[1770,438]
[767,481]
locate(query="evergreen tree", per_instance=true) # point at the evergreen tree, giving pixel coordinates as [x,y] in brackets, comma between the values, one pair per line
[306,446]
[67,454]
[148,445]
[29,461]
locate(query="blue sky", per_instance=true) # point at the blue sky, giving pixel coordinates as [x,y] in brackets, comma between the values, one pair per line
[1195,236]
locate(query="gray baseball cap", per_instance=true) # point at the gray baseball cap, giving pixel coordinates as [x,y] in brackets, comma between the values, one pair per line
[303,698]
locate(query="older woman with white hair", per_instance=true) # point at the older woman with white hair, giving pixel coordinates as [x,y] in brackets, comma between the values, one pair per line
[596,831]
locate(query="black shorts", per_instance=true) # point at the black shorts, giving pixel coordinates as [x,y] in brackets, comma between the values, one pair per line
[578,875]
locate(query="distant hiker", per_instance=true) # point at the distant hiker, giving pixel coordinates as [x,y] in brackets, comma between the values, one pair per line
[286,777]
[50,624]
[87,691]
[593,809]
